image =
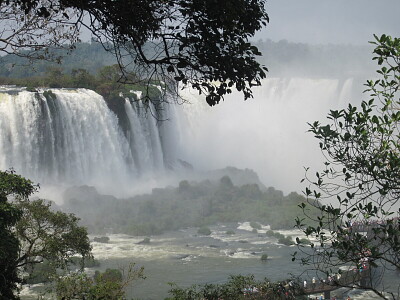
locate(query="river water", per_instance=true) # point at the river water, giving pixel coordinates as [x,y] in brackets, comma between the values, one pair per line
[186,258]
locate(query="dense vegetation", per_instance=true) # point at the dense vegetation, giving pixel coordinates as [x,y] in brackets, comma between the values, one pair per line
[359,183]
[175,41]
[33,234]
[188,205]
[104,82]
[284,59]
[238,288]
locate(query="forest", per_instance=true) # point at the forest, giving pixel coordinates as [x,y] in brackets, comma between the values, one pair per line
[191,204]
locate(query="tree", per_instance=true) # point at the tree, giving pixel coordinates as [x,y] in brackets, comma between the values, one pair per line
[357,193]
[237,288]
[48,236]
[32,233]
[110,284]
[200,44]
[11,185]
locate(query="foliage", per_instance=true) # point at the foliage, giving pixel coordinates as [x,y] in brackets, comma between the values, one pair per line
[45,234]
[183,41]
[146,240]
[255,225]
[361,178]
[237,288]
[270,233]
[88,56]
[282,57]
[11,186]
[193,204]
[204,231]
[33,234]
[103,82]
[110,284]
[264,257]
[286,241]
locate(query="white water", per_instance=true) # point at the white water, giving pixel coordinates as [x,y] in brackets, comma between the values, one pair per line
[75,139]
[268,133]
[186,258]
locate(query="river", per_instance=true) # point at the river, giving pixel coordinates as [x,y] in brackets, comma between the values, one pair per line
[186,258]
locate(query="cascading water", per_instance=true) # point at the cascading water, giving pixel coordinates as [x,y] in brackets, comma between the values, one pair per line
[71,137]
[268,133]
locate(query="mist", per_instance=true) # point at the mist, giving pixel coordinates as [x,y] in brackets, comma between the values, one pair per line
[331,22]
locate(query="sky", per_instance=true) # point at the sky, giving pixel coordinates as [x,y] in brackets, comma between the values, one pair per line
[333,21]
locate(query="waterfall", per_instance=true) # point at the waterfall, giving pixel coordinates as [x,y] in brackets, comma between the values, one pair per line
[71,137]
[267,134]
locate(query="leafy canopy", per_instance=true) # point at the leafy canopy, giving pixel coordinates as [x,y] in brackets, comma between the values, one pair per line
[11,185]
[200,44]
[358,191]
[32,233]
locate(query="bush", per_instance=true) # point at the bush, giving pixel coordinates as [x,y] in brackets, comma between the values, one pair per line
[204,231]
[88,262]
[230,232]
[255,225]
[286,241]
[145,241]
[270,233]
[110,275]
[304,241]
[279,235]
[264,257]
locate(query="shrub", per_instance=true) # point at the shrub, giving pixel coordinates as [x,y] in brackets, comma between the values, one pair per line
[304,241]
[230,232]
[264,257]
[286,241]
[204,231]
[255,225]
[278,235]
[145,241]
[270,233]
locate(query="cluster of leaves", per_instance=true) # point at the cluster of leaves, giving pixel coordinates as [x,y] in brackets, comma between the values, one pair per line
[11,185]
[188,205]
[361,178]
[49,236]
[110,284]
[31,233]
[282,239]
[237,288]
[201,44]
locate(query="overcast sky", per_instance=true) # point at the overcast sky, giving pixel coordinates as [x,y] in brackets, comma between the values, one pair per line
[331,21]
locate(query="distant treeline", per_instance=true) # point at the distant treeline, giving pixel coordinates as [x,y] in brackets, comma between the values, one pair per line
[88,56]
[104,81]
[191,204]
[282,58]
[286,59]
